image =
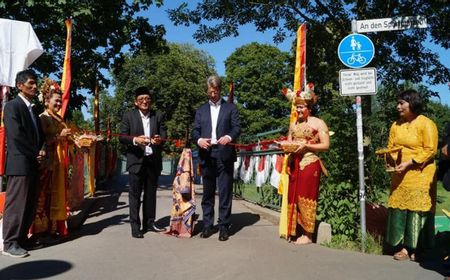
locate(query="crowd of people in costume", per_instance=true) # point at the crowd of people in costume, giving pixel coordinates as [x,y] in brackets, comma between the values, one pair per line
[37,171]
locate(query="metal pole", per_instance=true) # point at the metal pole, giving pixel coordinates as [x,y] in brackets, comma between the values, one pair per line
[362,192]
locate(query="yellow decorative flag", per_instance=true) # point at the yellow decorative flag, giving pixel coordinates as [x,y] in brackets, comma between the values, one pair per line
[67,71]
[299,79]
[282,189]
[300,66]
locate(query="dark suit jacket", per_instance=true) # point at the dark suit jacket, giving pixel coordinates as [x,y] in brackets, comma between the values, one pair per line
[132,126]
[227,124]
[22,140]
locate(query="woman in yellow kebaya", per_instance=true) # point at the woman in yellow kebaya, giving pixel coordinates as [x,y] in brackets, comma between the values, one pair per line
[412,198]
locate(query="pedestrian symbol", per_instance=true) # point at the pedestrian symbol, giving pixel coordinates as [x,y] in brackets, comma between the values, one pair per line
[356,50]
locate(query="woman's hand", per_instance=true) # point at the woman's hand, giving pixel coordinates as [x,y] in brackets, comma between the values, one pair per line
[402,167]
[65,132]
[301,148]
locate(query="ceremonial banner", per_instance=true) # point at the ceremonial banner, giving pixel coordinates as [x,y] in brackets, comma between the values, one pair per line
[4,96]
[237,164]
[19,47]
[282,189]
[300,65]
[231,93]
[299,80]
[277,167]
[67,71]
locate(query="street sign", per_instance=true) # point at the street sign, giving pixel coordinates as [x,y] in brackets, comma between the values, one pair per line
[388,24]
[356,50]
[354,82]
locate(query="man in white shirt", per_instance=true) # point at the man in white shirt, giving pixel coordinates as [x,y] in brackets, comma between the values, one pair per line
[216,125]
[142,131]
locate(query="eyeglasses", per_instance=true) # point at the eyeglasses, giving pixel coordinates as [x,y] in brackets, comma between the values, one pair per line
[143,99]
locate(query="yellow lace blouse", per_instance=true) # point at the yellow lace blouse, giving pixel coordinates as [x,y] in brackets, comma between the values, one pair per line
[418,139]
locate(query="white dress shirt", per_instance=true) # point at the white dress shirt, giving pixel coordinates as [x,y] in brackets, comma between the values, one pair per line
[146,124]
[30,109]
[215,109]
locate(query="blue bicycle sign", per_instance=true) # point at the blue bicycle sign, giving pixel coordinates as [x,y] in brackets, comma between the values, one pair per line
[356,50]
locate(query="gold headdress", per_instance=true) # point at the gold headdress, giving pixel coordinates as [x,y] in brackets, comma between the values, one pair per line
[307,97]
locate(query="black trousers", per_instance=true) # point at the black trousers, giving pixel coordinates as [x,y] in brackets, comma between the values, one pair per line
[217,173]
[20,208]
[146,180]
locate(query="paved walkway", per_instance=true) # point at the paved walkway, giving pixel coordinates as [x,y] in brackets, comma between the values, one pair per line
[103,249]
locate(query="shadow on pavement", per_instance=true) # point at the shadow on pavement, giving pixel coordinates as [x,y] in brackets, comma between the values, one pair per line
[34,269]
[241,220]
[438,259]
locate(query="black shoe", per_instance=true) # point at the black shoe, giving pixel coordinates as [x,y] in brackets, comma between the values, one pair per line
[155,228]
[207,232]
[15,251]
[32,244]
[223,235]
[137,234]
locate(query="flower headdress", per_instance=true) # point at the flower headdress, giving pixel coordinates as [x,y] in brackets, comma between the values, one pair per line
[307,97]
[48,88]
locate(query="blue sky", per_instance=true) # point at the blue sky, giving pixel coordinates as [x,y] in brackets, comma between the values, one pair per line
[247,34]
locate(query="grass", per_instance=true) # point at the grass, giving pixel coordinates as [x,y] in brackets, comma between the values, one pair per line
[373,245]
[443,200]
[266,195]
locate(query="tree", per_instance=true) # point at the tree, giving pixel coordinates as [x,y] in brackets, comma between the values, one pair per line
[178,78]
[258,73]
[102,31]
[400,55]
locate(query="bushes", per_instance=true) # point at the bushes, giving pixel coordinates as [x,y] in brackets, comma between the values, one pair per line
[338,206]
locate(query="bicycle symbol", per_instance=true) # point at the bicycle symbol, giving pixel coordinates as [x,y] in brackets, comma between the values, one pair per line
[356,58]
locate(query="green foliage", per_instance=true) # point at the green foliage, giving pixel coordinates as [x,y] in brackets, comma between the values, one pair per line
[101,32]
[258,73]
[178,77]
[79,121]
[338,206]
[399,55]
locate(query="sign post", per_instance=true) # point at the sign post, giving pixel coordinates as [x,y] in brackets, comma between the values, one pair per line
[356,51]
[388,24]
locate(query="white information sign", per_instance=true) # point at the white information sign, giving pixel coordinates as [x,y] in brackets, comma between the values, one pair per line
[389,24]
[361,81]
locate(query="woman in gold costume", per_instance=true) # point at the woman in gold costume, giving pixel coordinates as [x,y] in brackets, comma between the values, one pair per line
[312,136]
[51,213]
[412,198]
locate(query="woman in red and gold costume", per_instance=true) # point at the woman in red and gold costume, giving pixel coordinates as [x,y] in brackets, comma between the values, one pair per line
[51,213]
[310,134]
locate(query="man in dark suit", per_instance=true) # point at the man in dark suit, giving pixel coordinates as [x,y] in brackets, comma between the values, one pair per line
[216,125]
[145,130]
[24,151]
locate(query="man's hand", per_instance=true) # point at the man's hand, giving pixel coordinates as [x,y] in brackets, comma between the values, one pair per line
[156,140]
[142,140]
[224,140]
[204,143]
[444,152]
